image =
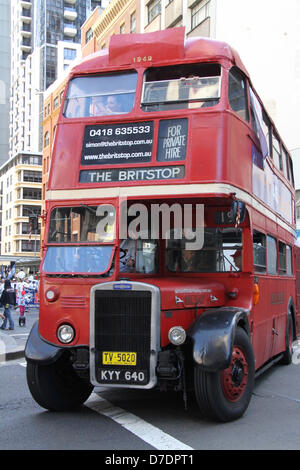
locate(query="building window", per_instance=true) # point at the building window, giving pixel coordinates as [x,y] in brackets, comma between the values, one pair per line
[199,13]
[154,9]
[88,35]
[133,22]
[31,193]
[46,139]
[32,245]
[122,28]
[55,103]
[69,54]
[32,176]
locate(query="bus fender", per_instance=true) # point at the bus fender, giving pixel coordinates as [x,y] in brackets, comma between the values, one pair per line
[212,336]
[37,350]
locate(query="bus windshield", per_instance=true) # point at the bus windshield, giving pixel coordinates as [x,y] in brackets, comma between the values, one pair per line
[101,95]
[78,259]
[221,252]
[181,86]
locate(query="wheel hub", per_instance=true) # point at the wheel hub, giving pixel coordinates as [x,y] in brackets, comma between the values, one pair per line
[237,373]
[235,377]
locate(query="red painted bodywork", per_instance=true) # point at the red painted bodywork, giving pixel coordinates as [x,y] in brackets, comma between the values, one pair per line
[218,151]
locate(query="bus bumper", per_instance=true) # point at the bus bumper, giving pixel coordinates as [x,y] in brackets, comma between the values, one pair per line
[37,350]
[212,336]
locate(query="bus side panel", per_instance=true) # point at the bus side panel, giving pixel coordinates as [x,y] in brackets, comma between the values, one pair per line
[297,268]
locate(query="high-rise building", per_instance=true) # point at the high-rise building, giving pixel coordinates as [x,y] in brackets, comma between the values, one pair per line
[45,37]
[4,78]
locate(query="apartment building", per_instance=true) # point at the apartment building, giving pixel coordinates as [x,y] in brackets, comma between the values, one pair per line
[21,188]
[142,16]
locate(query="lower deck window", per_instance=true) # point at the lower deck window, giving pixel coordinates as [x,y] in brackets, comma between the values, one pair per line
[221,252]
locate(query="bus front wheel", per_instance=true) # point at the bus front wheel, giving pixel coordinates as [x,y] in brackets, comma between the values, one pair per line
[56,387]
[225,395]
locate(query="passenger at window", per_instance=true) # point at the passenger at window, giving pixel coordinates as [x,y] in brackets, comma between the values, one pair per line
[113,105]
[98,106]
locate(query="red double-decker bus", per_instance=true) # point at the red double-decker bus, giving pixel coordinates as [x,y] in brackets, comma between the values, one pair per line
[153,128]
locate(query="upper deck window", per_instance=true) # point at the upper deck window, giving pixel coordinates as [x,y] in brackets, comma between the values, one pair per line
[181,86]
[277,157]
[100,95]
[237,93]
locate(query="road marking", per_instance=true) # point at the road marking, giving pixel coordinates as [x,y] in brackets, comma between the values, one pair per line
[145,431]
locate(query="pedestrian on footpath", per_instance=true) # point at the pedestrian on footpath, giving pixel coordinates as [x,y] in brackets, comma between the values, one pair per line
[8,299]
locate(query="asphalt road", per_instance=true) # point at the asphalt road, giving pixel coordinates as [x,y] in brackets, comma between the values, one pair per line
[133,420]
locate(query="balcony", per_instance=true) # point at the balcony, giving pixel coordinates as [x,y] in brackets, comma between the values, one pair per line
[26,15]
[70,14]
[26,4]
[26,45]
[26,30]
[70,30]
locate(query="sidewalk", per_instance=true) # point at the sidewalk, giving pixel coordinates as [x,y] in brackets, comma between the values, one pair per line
[12,342]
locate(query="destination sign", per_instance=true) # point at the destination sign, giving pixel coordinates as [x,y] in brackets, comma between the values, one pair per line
[132,174]
[110,144]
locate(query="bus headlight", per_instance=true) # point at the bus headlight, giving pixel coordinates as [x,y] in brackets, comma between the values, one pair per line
[65,333]
[177,335]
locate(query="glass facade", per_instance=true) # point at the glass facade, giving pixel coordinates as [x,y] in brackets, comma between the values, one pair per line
[56,20]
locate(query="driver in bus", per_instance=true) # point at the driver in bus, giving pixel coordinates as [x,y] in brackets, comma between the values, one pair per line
[188,261]
[237,258]
[127,261]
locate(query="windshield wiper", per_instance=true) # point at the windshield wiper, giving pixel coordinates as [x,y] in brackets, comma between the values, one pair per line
[93,211]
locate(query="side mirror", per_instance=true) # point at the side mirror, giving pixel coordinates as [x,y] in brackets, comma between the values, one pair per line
[238,211]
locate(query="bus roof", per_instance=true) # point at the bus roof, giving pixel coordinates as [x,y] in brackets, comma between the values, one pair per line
[156,48]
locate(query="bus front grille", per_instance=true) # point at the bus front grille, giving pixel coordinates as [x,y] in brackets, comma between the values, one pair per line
[122,329]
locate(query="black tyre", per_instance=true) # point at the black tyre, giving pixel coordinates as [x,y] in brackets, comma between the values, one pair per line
[225,395]
[289,336]
[56,387]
